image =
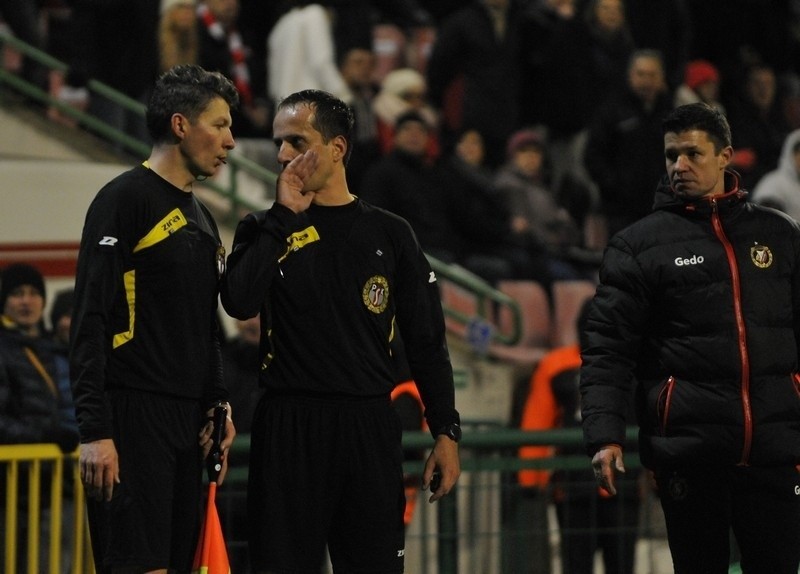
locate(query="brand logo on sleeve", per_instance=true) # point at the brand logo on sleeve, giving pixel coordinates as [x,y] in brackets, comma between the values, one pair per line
[108,240]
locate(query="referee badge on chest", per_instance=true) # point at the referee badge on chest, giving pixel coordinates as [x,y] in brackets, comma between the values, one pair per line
[375,294]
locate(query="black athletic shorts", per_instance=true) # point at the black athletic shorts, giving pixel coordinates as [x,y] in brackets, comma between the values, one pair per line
[153,518]
[326,471]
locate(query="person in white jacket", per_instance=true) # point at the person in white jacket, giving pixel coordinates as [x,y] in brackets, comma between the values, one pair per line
[302,54]
[780,188]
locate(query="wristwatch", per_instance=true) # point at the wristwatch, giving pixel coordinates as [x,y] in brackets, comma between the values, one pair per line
[451,431]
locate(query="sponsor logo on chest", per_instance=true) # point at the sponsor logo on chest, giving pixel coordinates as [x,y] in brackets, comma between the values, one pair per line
[693,260]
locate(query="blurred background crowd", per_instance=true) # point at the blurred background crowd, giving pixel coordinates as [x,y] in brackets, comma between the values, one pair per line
[515,135]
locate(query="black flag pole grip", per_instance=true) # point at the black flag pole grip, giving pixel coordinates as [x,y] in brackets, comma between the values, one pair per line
[214,458]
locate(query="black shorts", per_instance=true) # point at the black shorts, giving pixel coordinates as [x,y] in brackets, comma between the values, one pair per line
[153,518]
[326,472]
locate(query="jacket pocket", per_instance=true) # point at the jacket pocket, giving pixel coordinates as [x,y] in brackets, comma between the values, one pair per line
[663,404]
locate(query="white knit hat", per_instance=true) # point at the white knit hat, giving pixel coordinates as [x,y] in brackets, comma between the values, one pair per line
[402,80]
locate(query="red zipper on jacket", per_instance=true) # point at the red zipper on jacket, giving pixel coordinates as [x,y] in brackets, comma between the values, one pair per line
[740,329]
[665,399]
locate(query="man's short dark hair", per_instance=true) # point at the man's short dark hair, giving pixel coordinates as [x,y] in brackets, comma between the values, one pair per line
[699,116]
[187,90]
[332,117]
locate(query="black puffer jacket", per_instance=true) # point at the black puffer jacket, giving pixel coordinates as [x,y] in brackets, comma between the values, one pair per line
[35,406]
[700,303]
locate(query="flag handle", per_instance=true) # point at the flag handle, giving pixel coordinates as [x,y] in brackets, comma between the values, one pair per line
[214,458]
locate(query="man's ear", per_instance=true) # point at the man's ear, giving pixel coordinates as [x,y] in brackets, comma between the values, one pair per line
[178,124]
[725,156]
[339,148]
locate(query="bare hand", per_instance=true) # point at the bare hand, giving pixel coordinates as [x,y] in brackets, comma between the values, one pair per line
[444,458]
[206,442]
[99,468]
[292,180]
[605,462]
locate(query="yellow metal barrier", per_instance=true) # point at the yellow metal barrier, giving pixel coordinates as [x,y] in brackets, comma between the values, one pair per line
[33,458]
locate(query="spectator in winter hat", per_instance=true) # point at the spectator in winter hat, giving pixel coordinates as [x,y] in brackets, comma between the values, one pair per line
[404,90]
[22,299]
[701,82]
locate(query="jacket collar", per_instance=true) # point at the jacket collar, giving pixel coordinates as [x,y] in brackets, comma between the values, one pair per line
[667,198]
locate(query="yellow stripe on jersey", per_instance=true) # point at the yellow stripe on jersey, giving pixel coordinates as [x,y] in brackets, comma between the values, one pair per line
[163,229]
[129,279]
[300,239]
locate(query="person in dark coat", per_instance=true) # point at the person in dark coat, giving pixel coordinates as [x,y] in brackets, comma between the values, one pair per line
[623,152]
[35,400]
[473,72]
[403,183]
[758,124]
[698,310]
[480,214]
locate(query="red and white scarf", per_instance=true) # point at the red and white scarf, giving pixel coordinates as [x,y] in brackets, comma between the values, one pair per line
[239,71]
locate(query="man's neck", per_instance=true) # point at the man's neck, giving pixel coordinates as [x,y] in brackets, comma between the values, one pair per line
[162,162]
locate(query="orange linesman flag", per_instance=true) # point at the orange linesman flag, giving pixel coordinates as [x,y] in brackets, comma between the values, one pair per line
[211,556]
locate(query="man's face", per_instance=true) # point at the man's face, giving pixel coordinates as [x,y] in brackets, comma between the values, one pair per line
[708,91]
[294,133]
[61,328]
[470,148]
[610,14]
[646,78]
[208,139]
[182,16]
[357,67]
[528,160]
[564,8]
[412,138]
[761,86]
[24,306]
[694,168]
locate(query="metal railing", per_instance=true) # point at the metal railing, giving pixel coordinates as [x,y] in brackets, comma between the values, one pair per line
[484,451]
[27,526]
[456,535]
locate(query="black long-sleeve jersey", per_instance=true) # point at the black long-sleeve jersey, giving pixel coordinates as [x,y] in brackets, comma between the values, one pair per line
[331,284]
[146,290]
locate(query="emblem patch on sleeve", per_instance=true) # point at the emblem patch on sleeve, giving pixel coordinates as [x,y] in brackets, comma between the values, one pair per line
[375,294]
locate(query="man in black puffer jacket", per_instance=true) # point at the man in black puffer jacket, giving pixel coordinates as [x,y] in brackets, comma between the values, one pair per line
[698,309]
[35,400]
[35,405]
